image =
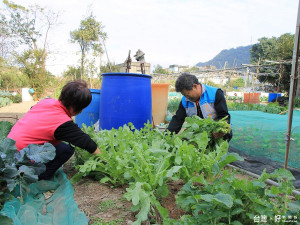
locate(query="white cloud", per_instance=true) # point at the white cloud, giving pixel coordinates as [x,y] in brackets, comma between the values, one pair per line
[169,31]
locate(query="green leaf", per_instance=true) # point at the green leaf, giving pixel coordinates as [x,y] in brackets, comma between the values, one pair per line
[236,223]
[10,171]
[186,202]
[225,199]
[28,174]
[207,197]
[229,158]
[145,206]
[8,151]
[40,153]
[137,192]
[39,168]
[237,211]
[173,170]
[195,126]
[282,173]
[6,220]
[177,141]
[127,175]
[5,128]
[178,160]
[259,184]
[11,183]
[162,211]
[238,201]
[21,156]
[200,179]
[77,177]
[104,180]
[162,191]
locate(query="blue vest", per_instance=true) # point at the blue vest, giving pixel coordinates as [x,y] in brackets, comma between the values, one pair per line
[206,103]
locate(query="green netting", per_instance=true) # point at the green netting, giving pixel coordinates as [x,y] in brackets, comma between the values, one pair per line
[59,209]
[263,134]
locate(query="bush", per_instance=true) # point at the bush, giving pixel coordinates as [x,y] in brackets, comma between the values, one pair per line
[4,101]
[270,108]
[16,98]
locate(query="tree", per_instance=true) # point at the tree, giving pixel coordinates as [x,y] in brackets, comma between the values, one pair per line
[91,71]
[88,36]
[30,28]
[72,73]
[32,61]
[274,49]
[110,67]
[11,78]
[7,43]
[158,69]
[239,82]
[98,51]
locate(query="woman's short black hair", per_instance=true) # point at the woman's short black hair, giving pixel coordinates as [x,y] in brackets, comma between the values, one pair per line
[76,94]
[185,81]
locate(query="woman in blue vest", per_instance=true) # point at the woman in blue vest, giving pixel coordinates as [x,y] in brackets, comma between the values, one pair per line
[201,100]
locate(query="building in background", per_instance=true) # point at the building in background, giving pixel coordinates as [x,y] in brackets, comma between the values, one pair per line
[135,67]
[177,68]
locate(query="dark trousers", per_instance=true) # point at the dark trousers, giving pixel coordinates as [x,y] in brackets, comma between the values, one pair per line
[63,154]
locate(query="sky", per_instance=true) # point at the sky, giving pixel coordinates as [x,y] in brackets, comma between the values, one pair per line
[182,32]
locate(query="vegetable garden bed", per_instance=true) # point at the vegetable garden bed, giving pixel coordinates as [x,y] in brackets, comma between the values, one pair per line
[154,177]
[146,161]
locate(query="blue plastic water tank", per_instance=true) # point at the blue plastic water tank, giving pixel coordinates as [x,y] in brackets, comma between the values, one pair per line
[90,115]
[272,96]
[125,97]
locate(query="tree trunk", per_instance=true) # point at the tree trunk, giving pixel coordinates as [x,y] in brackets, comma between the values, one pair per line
[82,64]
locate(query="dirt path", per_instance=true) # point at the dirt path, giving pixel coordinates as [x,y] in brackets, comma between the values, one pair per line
[15,111]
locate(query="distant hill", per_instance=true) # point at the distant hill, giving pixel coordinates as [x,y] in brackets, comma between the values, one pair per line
[234,57]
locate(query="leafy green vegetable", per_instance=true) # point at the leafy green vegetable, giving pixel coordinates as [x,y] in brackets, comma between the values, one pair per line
[195,125]
[146,159]
[19,169]
[5,128]
[228,200]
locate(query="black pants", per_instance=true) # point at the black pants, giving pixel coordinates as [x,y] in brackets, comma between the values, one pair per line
[63,154]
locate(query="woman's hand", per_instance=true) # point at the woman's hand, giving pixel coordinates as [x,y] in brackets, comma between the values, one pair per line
[97,151]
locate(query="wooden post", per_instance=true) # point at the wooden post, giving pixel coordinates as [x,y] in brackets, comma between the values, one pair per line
[294,76]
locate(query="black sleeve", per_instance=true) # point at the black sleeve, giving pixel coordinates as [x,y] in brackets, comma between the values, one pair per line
[178,119]
[221,106]
[222,111]
[70,132]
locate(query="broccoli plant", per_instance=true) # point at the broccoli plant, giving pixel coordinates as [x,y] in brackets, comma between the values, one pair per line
[18,169]
[21,168]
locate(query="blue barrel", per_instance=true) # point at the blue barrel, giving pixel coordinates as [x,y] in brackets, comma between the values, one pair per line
[90,115]
[125,97]
[273,96]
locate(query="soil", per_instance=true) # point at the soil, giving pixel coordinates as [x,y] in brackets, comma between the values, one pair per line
[93,197]
[100,202]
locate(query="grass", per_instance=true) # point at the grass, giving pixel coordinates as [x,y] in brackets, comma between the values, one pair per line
[106,205]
